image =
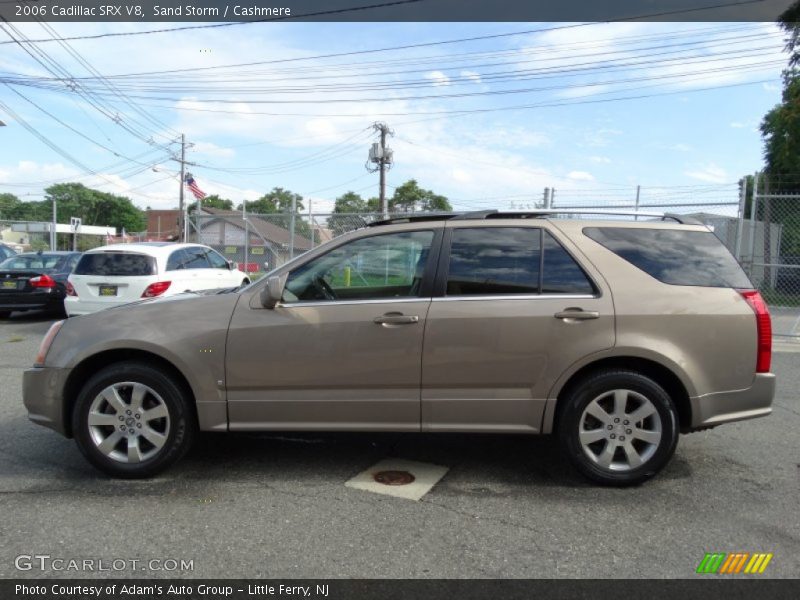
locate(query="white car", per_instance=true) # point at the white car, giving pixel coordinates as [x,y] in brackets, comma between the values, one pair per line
[121,273]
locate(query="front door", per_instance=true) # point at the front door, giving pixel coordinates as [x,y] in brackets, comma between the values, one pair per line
[343,349]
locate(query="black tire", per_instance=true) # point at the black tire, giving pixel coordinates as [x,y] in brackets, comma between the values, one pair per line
[622,469]
[245,282]
[4,314]
[179,427]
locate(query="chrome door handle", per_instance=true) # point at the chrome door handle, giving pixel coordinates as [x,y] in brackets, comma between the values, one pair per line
[577,314]
[395,319]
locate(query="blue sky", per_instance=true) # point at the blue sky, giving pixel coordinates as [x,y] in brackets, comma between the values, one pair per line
[708,85]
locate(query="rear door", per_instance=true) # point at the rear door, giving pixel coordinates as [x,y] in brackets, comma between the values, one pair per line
[514,310]
[113,276]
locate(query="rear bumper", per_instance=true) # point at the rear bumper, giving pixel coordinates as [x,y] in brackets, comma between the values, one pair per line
[77,306]
[43,396]
[31,301]
[725,407]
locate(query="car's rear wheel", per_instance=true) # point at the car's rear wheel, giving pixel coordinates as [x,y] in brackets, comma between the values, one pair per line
[4,314]
[133,420]
[618,427]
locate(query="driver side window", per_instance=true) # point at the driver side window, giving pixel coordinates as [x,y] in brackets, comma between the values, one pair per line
[377,267]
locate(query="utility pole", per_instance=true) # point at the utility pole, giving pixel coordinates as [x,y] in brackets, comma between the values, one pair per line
[546,198]
[53,227]
[382,157]
[636,205]
[181,207]
[292,218]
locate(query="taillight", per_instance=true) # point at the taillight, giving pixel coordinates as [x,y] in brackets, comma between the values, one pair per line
[763,329]
[42,281]
[71,290]
[156,289]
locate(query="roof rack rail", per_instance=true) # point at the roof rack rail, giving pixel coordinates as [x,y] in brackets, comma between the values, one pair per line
[531,214]
[412,218]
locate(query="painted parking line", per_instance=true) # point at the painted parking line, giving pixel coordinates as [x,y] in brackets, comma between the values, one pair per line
[394,472]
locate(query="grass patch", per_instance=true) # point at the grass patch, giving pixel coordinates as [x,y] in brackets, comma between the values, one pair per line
[15,338]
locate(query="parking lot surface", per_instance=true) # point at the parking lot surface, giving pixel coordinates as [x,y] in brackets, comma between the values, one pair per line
[276,505]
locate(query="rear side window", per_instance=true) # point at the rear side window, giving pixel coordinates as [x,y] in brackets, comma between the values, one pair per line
[674,256]
[561,274]
[118,264]
[196,259]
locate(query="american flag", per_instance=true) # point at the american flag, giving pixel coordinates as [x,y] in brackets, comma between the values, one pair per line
[192,185]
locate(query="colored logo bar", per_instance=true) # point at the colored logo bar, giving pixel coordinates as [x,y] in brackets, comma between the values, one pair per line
[722,563]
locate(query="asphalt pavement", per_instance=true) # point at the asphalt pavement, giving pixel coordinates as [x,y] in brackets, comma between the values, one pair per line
[276,505]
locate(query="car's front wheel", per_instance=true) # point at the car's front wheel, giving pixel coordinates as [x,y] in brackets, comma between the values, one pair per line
[133,420]
[618,427]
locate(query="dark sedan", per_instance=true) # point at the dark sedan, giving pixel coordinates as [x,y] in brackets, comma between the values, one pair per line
[35,280]
[6,252]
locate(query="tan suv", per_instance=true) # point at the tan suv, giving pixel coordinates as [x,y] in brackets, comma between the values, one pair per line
[615,335]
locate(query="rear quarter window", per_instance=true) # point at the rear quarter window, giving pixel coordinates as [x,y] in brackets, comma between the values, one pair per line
[116,264]
[673,256]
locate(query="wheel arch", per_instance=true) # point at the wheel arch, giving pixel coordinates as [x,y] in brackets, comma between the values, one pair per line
[94,363]
[658,372]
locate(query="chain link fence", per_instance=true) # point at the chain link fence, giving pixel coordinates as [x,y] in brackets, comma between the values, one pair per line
[770,248]
[760,227]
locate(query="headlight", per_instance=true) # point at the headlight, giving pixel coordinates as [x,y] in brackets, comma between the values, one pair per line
[44,347]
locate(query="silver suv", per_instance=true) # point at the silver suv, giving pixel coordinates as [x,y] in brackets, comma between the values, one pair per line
[613,335]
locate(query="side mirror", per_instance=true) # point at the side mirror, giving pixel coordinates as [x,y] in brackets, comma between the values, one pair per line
[272,293]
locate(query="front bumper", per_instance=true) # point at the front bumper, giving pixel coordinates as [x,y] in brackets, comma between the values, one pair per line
[43,396]
[710,410]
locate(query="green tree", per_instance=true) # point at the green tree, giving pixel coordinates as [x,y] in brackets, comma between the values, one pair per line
[10,206]
[92,206]
[350,202]
[409,197]
[213,201]
[780,130]
[276,201]
[346,209]
[276,207]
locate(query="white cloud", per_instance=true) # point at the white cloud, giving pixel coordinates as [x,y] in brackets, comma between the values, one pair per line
[738,125]
[681,147]
[472,76]
[580,176]
[600,159]
[600,137]
[710,173]
[212,149]
[438,78]
[771,87]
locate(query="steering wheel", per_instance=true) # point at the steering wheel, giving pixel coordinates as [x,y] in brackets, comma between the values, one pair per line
[324,288]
